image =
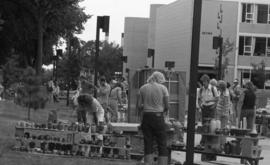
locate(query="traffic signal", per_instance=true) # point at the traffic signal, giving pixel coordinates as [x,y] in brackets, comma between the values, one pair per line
[59,53]
[217,42]
[124,59]
[104,23]
[169,64]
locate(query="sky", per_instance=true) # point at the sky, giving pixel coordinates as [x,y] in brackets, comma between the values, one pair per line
[117,10]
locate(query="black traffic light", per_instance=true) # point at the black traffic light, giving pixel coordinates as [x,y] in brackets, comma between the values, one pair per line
[217,42]
[104,23]
[59,53]
[124,59]
[169,64]
[151,52]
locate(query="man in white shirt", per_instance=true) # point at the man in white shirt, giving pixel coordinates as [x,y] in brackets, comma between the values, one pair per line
[208,97]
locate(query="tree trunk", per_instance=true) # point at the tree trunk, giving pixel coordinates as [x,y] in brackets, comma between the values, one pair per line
[68,93]
[40,46]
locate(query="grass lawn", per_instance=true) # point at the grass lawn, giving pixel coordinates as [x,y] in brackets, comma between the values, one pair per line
[11,113]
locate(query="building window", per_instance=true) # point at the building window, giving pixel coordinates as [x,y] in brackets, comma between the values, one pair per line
[245,76]
[262,16]
[268,47]
[245,45]
[260,46]
[248,12]
[254,46]
[269,14]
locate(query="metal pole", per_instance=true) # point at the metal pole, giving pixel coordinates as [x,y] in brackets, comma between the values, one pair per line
[196,27]
[56,67]
[53,69]
[153,61]
[97,54]
[69,54]
[220,58]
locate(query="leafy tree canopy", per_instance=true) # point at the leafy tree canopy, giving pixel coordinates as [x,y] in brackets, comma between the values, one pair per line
[32,27]
[109,61]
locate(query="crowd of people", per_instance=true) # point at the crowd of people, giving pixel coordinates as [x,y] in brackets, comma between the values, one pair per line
[218,100]
[105,107]
[225,102]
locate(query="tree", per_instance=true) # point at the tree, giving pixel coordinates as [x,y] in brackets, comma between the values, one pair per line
[227,48]
[109,61]
[31,93]
[11,72]
[34,26]
[70,65]
[258,74]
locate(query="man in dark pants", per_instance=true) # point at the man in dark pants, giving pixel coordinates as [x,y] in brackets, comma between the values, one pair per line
[208,97]
[153,100]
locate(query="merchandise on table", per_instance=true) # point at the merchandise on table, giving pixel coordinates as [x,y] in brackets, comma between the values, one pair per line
[71,139]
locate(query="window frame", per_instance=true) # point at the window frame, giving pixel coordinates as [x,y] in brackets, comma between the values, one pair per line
[268,19]
[251,17]
[248,50]
[267,47]
[245,46]
[248,16]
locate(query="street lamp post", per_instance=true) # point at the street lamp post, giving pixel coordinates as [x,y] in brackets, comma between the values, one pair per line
[102,23]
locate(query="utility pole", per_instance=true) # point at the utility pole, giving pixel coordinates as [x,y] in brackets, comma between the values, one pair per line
[97,54]
[59,53]
[102,23]
[195,47]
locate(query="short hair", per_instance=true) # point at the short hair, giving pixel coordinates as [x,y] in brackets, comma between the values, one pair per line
[102,78]
[205,77]
[213,82]
[222,84]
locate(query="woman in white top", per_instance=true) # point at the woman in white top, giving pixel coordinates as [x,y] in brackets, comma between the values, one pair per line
[115,100]
[91,110]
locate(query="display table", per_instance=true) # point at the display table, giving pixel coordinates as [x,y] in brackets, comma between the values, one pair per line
[249,151]
[263,123]
[216,163]
[71,140]
[255,160]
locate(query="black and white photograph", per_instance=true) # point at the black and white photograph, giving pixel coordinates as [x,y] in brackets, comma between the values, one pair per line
[134,82]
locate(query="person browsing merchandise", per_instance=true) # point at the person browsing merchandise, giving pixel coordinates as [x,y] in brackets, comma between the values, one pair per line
[153,101]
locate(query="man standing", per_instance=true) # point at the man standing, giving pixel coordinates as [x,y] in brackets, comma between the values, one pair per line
[235,93]
[208,96]
[153,100]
